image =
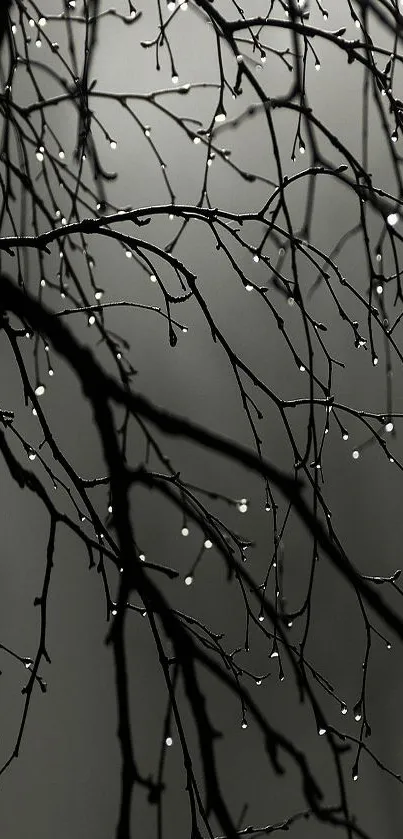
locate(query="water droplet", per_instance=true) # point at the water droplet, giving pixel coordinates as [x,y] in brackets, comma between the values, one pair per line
[31,455]
[38,43]
[129,254]
[256,257]
[344,709]
[39,156]
[317,65]
[196,140]
[242,505]
[168,741]
[274,654]
[244,724]
[153,278]
[355,776]
[389,427]
[50,372]
[379,289]
[394,136]
[208,544]
[302,148]
[261,618]
[31,23]
[356,454]
[375,360]
[142,557]
[185,531]
[220,116]
[110,508]
[302,368]
[321,731]
[98,293]
[175,79]
[114,612]
[39,390]
[392,219]
[188,580]
[42,21]
[113,144]
[248,287]
[91,320]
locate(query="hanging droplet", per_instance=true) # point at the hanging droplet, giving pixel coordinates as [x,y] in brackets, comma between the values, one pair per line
[248,287]
[344,709]
[39,155]
[175,79]
[357,712]
[389,427]
[321,731]
[392,219]
[220,115]
[208,544]
[129,254]
[31,454]
[355,454]
[185,531]
[375,360]
[113,144]
[50,372]
[256,257]
[168,741]
[188,580]
[142,557]
[39,390]
[244,724]
[114,612]
[98,293]
[91,320]
[196,140]
[153,278]
[242,505]
[110,508]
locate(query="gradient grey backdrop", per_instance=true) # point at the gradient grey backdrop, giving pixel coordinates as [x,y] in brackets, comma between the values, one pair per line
[66,780]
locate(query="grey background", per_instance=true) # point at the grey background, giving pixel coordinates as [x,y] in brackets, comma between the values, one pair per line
[66,779]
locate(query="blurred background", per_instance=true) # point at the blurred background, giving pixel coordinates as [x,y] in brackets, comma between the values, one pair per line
[66,778]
